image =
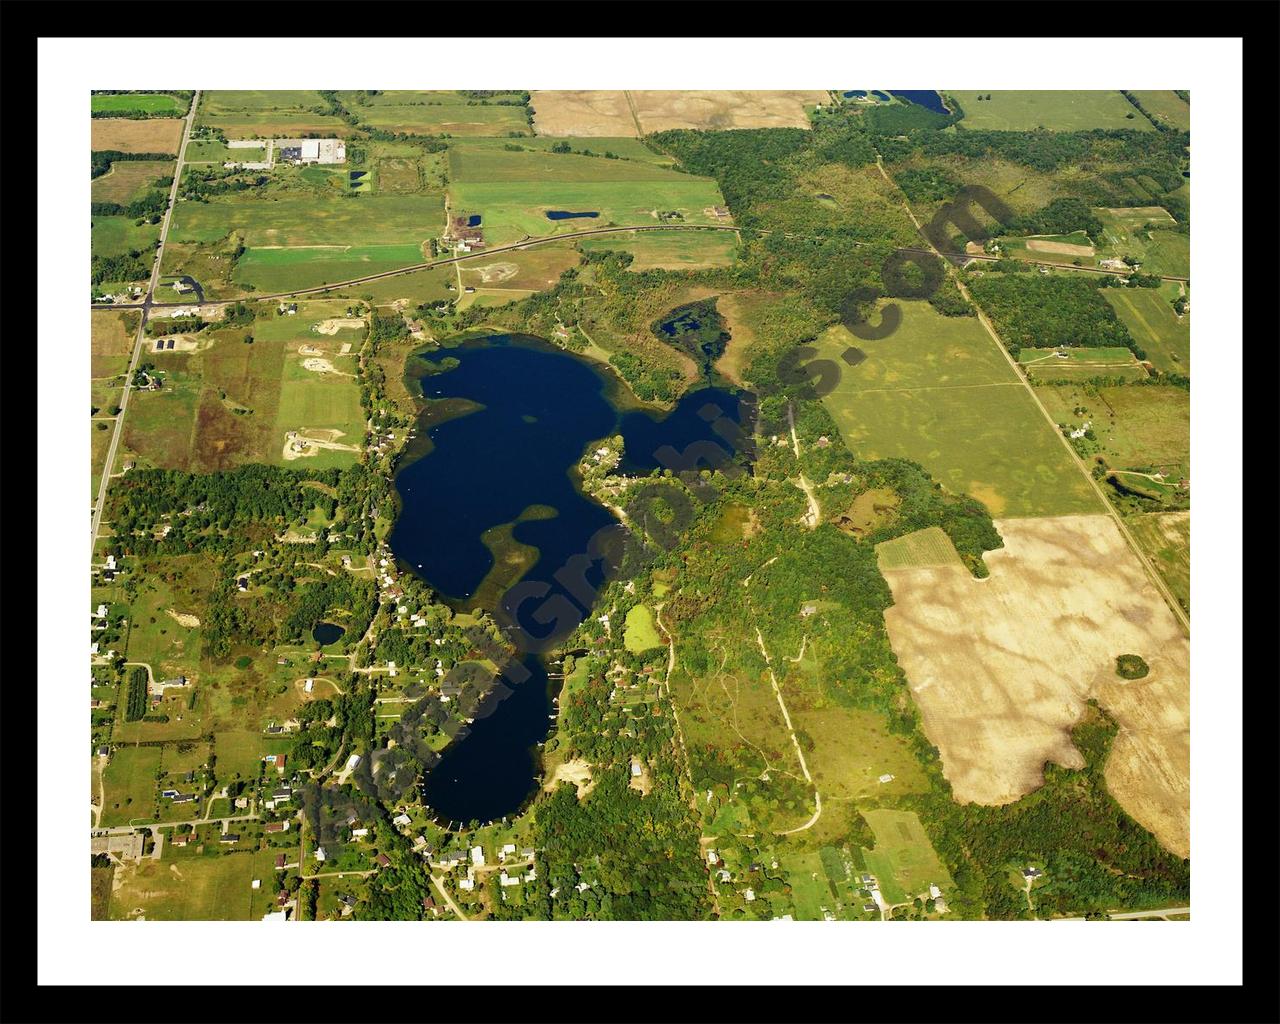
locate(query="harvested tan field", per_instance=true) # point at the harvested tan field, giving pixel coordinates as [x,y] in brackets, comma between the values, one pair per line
[582,112]
[720,109]
[1001,668]
[153,135]
[1062,248]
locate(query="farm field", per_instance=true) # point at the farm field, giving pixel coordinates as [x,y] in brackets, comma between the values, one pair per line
[922,549]
[129,786]
[670,250]
[1077,364]
[1166,106]
[152,135]
[434,113]
[147,102]
[526,270]
[623,147]
[128,179]
[111,343]
[182,886]
[939,392]
[113,236]
[371,220]
[1136,427]
[267,114]
[903,860]
[716,110]
[469,164]
[969,646]
[513,210]
[641,634]
[1149,315]
[411,289]
[583,112]
[1165,537]
[1056,110]
[1159,250]
[281,269]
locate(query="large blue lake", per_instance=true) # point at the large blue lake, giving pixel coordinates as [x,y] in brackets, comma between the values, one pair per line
[923,97]
[507,419]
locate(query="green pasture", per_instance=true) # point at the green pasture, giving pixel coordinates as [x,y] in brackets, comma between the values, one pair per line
[129,785]
[114,236]
[1060,110]
[670,250]
[469,164]
[284,269]
[188,886]
[641,633]
[147,102]
[1159,249]
[1166,539]
[1166,106]
[927,548]
[1149,315]
[903,859]
[1076,364]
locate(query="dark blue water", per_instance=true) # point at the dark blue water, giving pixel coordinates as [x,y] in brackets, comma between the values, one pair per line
[473,221]
[327,633]
[928,98]
[879,95]
[534,409]
[850,93]
[569,215]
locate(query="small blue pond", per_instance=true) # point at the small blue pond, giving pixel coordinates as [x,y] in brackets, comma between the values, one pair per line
[327,633]
[927,98]
[569,215]
[473,221]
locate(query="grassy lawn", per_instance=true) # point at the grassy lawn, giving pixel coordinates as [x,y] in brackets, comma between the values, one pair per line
[903,859]
[129,785]
[112,343]
[239,754]
[641,633]
[939,392]
[1056,110]
[1149,315]
[1076,364]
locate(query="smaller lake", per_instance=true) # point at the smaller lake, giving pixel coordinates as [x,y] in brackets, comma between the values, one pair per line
[569,214]
[927,98]
[473,221]
[327,633]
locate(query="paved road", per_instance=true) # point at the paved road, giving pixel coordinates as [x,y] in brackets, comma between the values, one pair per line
[141,340]
[1136,915]
[590,232]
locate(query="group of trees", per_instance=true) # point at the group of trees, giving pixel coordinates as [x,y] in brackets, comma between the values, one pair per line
[136,702]
[134,265]
[150,206]
[100,160]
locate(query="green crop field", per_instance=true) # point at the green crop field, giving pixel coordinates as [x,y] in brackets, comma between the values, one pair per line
[370,220]
[903,859]
[1167,106]
[129,785]
[284,112]
[1166,539]
[1149,315]
[147,102]
[939,392]
[1056,110]
[277,270]
[434,113]
[641,634]
[128,179]
[625,148]
[512,210]
[671,250]
[922,549]
[1159,249]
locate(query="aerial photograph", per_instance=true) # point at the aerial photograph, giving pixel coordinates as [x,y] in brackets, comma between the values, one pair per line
[636,505]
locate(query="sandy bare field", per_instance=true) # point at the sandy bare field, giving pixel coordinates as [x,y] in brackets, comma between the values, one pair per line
[1001,667]
[1061,248]
[720,109]
[585,112]
[153,135]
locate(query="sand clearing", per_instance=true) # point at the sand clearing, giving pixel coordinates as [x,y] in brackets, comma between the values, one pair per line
[1001,667]
[1061,248]
[190,621]
[317,365]
[576,771]
[302,444]
[497,272]
[337,324]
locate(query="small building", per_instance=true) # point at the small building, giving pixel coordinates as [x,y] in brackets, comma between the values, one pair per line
[636,769]
[505,880]
[934,892]
[383,860]
[320,854]
[749,895]
[477,856]
[182,838]
[359,833]
[277,826]
[280,861]
[229,837]
[401,819]
[1031,873]
[256,884]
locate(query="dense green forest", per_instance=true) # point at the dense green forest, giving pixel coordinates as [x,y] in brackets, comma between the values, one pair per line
[1050,310]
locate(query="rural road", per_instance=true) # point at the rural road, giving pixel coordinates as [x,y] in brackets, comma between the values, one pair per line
[141,340]
[570,236]
[1161,587]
